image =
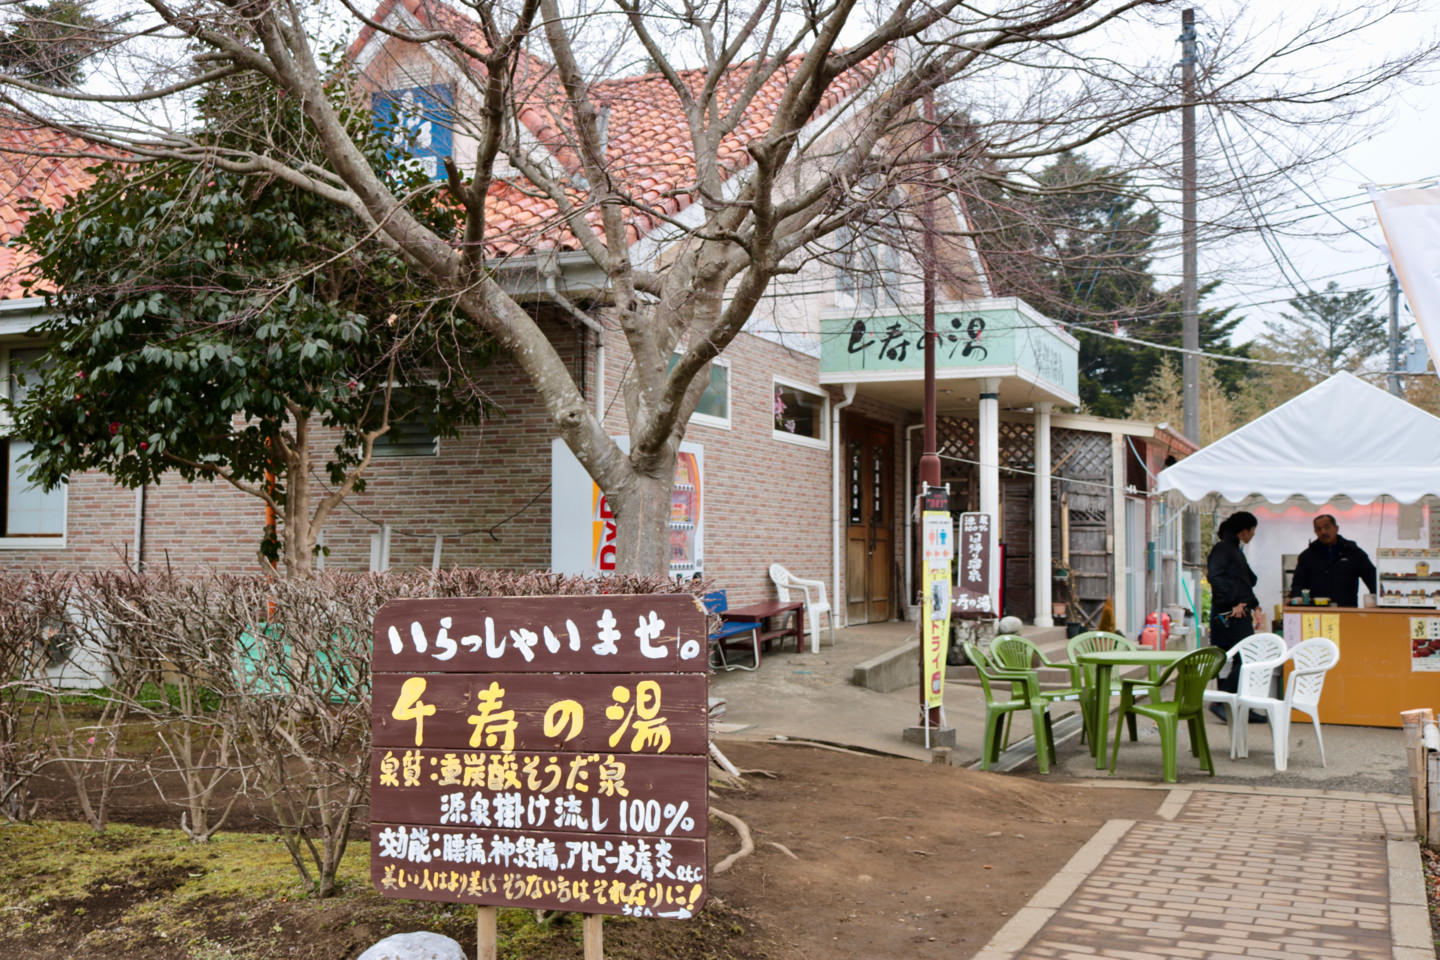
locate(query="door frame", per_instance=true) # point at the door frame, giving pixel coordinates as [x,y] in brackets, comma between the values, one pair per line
[877,588]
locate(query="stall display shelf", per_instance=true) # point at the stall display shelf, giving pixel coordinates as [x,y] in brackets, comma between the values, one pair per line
[1418,603]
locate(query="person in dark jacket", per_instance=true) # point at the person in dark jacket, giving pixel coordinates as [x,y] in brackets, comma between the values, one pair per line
[1234,609]
[1332,567]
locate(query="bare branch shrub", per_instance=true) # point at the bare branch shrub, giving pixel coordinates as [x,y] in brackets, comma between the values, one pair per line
[181,643]
[31,613]
[107,654]
[251,687]
[301,695]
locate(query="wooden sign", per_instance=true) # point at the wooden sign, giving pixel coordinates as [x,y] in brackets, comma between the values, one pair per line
[972,578]
[545,752]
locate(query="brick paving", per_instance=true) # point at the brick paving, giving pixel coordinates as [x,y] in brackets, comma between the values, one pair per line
[1235,875]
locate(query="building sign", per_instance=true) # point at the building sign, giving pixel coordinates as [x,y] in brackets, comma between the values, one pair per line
[937,550]
[972,580]
[857,486]
[583,535]
[419,122]
[989,334]
[542,752]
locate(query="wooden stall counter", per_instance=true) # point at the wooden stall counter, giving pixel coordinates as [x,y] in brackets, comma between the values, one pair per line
[1389,660]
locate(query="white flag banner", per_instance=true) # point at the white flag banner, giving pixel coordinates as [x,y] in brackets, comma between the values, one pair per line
[1411,221]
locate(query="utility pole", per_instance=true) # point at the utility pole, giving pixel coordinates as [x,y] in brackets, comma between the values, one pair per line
[930,457]
[1394,333]
[1189,289]
[935,531]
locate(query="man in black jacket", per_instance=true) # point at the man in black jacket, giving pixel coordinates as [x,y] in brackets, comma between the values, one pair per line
[1332,566]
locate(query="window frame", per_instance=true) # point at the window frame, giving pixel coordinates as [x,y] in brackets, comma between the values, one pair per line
[44,541]
[785,436]
[710,420]
[375,453]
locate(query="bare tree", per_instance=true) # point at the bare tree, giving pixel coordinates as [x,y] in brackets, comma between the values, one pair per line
[786,120]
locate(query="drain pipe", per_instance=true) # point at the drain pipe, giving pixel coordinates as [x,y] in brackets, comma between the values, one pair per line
[549,263]
[139,527]
[837,533]
[910,515]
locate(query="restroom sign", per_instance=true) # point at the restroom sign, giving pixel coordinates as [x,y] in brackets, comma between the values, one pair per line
[939,538]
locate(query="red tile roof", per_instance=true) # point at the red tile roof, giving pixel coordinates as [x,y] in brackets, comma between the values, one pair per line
[649,149]
[38,165]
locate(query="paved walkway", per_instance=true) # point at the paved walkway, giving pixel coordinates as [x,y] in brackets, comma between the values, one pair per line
[1319,869]
[1310,874]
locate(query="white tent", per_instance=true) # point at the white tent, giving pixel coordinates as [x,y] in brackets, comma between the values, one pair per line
[1342,447]
[1340,439]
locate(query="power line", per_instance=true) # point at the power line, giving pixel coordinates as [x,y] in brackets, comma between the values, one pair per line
[1277,251]
[1296,184]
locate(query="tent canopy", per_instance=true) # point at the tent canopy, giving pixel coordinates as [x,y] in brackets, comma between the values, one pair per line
[1341,438]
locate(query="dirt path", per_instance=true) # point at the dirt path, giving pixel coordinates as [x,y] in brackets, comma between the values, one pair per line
[897,858]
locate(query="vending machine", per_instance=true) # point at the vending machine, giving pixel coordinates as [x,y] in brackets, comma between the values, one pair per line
[582,525]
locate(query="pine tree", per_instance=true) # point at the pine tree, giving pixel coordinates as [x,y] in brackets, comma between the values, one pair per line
[1330,330]
[48,43]
[1079,248]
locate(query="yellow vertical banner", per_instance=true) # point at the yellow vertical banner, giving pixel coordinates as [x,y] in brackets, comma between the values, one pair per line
[937,550]
[1330,627]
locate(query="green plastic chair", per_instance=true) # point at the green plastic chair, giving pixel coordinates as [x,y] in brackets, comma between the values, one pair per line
[1011,652]
[1025,695]
[1192,673]
[1096,641]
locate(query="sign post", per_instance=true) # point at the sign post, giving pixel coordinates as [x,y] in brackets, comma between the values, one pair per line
[937,549]
[542,752]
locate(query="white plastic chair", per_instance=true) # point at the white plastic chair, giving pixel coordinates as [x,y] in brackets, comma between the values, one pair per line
[1312,659]
[1260,654]
[816,602]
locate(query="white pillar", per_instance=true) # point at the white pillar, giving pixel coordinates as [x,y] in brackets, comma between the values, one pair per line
[1044,576]
[990,471]
[1118,540]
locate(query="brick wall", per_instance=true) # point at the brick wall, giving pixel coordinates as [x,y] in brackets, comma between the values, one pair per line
[765,500]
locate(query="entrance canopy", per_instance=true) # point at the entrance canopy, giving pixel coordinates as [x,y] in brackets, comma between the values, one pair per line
[1340,439]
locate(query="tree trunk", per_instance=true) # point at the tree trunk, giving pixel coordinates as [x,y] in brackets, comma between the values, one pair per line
[298,533]
[642,520]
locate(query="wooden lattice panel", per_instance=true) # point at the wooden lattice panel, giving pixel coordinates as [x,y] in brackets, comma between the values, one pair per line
[958,437]
[1081,462]
[1017,445]
[1080,455]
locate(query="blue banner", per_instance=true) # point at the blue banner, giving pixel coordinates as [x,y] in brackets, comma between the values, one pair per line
[418,120]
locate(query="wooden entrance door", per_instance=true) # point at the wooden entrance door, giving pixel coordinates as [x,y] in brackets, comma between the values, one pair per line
[869,537]
[1017,531]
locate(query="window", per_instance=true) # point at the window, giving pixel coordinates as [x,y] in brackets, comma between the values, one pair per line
[713,410]
[33,518]
[867,270]
[30,511]
[800,414]
[412,425]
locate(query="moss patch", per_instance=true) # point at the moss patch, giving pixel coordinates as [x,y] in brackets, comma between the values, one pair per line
[145,893]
